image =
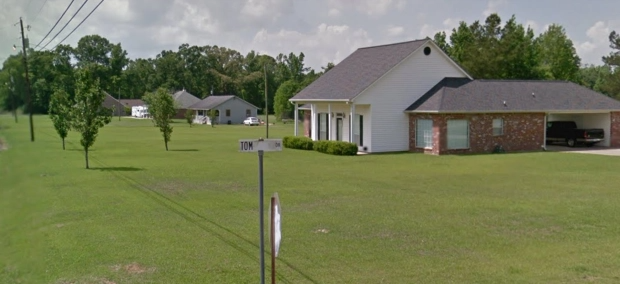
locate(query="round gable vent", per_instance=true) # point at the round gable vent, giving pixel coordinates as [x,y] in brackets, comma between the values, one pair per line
[427,51]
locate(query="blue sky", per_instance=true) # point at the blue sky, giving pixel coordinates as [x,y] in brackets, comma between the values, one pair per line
[325,30]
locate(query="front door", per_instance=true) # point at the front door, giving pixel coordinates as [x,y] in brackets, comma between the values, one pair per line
[339,129]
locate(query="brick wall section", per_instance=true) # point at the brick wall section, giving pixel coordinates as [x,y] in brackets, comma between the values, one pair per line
[614,135]
[307,124]
[522,132]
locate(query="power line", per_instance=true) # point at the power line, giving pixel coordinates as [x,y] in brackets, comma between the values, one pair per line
[48,33]
[63,28]
[40,9]
[79,24]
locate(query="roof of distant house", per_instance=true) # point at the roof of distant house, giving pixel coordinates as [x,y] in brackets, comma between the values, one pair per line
[358,71]
[212,102]
[185,99]
[132,102]
[480,96]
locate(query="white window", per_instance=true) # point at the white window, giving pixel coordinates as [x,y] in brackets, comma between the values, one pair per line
[458,134]
[424,133]
[498,127]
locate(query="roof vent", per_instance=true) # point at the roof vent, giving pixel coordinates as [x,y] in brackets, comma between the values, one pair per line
[533,95]
[505,103]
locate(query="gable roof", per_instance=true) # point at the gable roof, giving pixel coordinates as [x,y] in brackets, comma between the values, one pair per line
[453,95]
[212,102]
[110,101]
[184,99]
[358,71]
[132,102]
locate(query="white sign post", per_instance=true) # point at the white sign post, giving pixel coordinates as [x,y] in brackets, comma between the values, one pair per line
[260,145]
[275,233]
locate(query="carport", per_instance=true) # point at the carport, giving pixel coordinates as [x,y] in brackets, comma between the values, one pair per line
[587,119]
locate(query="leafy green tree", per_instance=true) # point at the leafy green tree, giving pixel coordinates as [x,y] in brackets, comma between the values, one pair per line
[189,117]
[612,81]
[594,77]
[88,113]
[60,113]
[557,54]
[283,108]
[491,51]
[162,109]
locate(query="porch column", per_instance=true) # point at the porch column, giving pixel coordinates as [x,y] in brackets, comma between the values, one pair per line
[544,144]
[329,121]
[313,131]
[352,123]
[296,115]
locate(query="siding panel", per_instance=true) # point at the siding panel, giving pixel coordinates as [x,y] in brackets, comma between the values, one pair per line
[398,89]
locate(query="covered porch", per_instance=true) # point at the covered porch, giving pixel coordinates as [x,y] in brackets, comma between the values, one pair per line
[336,121]
[201,116]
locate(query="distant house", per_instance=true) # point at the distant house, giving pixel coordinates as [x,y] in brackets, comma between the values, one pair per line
[112,103]
[411,96]
[228,110]
[129,103]
[183,100]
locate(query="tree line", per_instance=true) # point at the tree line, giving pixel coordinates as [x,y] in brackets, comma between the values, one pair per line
[491,50]
[486,50]
[200,70]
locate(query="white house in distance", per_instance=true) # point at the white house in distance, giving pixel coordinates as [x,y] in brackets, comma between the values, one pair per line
[229,109]
[411,96]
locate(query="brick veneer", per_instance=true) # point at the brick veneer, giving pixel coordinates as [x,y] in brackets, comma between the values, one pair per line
[614,135]
[522,132]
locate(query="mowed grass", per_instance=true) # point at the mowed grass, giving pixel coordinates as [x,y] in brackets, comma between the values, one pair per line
[190,215]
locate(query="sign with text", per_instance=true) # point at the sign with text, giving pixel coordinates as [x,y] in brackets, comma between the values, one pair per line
[255,145]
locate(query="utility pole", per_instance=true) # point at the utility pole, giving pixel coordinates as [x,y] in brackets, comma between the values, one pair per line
[28,96]
[266,104]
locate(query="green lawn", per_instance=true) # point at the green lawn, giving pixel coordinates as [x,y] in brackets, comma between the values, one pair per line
[190,215]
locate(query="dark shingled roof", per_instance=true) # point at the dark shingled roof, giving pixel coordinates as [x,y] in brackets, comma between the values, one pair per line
[465,95]
[358,71]
[185,99]
[211,102]
[132,102]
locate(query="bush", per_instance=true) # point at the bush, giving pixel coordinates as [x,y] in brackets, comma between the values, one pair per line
[339,148]
[301,143]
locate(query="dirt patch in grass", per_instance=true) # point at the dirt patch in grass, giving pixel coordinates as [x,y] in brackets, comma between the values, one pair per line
[133,268]
[3,145]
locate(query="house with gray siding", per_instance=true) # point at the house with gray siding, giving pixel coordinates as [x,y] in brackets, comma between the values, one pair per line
[229,109]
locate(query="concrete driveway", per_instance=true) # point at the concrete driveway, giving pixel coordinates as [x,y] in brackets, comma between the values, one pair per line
[597,150]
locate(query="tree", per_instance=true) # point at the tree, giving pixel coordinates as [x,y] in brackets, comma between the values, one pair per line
[490,51]
[282,106]
[88,113]
[162,110]
[212,115]
[557,54]
[189,117]
[612,81]
[60,113]
[594,77]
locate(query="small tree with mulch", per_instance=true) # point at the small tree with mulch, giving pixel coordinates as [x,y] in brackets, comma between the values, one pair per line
[189,117]
[88,113]
[162,109]
[60,113]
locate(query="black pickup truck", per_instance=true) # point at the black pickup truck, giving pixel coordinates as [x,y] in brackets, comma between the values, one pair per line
[567,132]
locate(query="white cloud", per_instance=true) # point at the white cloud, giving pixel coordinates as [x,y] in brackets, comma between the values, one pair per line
[395,30]
[328,43]
[266,9]
[333,12]
[448,24]
[369,7]
[493,7]
[597,43]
